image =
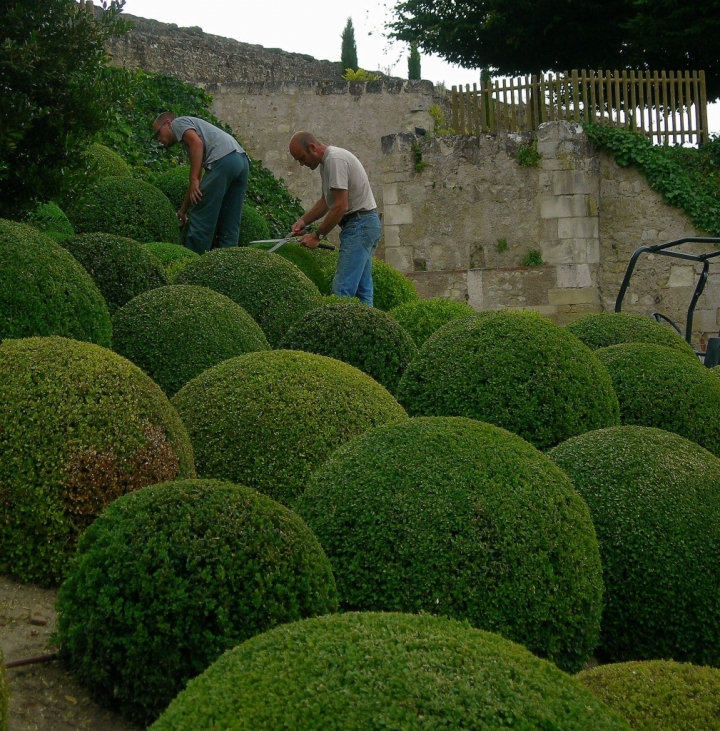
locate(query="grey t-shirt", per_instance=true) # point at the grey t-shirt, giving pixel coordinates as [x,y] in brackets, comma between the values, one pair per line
[340,169]
[216,143]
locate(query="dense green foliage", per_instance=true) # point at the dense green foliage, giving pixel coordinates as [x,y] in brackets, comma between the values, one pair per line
[354,672]
[661,387]
[516,370]
[104,163]
[171,576]
[274,292]
[268,419]
[602,329]
[654,498]
[120,267]
[687,178]
[45,291]
[172,256]
[659,695]
[421,318]
[125,207]
[391,288]
[252,227]
[54,95]
[427,515]
[176,333]
[51,220]
[362,336]
[79,426]
[348,49]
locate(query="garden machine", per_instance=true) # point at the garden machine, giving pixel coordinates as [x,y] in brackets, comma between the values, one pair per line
[711,355]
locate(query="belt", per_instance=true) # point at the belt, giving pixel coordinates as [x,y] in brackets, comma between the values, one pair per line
[355,214]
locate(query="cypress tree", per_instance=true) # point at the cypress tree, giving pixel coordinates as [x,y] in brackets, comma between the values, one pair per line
[348,54]
[414,62]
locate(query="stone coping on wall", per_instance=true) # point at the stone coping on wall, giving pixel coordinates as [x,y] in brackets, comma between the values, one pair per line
[325,87]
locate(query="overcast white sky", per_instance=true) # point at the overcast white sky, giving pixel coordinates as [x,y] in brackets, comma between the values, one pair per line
[314,27]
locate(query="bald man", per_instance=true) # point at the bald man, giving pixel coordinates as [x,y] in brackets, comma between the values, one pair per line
[346,201]
[219,170]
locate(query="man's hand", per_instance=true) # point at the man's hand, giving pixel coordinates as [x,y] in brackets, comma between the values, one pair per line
[195,192]
[298,227]
[311,241]
[182,217]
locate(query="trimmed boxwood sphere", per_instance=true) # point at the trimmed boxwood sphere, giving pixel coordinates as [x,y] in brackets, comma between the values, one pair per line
[273,291]
[268,419]
[662,387]
[105,163]
[79,426]
[353,672]
[171,576]
[654,498]
[421,318]
[460,518]
[121,268]
[362,336]
[125,207]
[50,219]
[175,333]
[307,261]
[252,227]
[45,291]
[391,288]
[173,257]
[173,183]
[659,695]
[602,329]
[516,370]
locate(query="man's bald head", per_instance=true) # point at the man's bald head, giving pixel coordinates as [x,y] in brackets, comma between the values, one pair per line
[307,149]
[163,118]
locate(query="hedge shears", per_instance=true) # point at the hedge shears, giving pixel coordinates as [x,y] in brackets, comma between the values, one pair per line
[281,242]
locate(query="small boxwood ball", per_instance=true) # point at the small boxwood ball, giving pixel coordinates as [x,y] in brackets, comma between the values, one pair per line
[516,370]
[175,333]
[308,262]
[171,576]
[105,163]
[173,257]
[273,291]
[659,695]
[45,291]
[353,672]
[654,498]
[79,426]
[602,329]
[268,419]
[173,183]
[50,219]
[457,517]
[252,227]
[421,318]
[125,207]
[391,288]
[662,387]
[121,268]
[362,336]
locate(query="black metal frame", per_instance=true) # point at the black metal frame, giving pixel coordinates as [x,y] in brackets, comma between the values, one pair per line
[713,350]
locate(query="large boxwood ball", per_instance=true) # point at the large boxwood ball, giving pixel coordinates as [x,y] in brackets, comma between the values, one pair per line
[353,672]
[105,163]
[313,266]
[662,387]
[654,498]
[169,577]
[390,287]
[173,257]
[659,695]
[421,318]
[457,517]
[79,426]
[121,268]
[273,291]
[362,336]
[125,207]
[516,370]
[175,333]
[602,329]
[268,419]
[45,291]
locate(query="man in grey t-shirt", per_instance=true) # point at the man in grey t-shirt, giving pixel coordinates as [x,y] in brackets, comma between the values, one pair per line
[346,201]
[217,194]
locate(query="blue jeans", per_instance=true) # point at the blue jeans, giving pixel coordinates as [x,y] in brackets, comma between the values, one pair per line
[353,276]
[218,214]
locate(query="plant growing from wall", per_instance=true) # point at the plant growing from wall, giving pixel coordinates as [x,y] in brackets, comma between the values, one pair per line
[414,63]
[348,51]
[418,162]
[528,155]
[360,75]
[441,126]
[532,259]
[501,245]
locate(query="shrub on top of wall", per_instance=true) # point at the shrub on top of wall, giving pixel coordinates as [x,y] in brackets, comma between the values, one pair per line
[51,220]
[171,576]
[79,426]
[104,163]
[397,671]
[121,268]
[421,318]
[268,419]
[273,291]
[428,514]
[173,257]
[659,695]
[602,329]
[391,288]
[362,336]
[516,370]
[45,291]
[125,207]
[663,387]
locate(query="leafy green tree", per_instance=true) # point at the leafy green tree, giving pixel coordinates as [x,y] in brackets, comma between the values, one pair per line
[348,54]
[414,62]
[54,95]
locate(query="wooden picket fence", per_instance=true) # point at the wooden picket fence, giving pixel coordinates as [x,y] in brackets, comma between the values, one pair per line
[667,107]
